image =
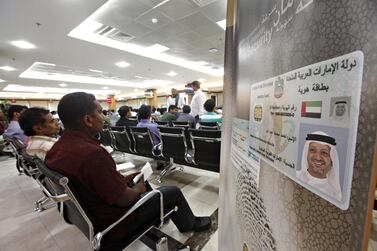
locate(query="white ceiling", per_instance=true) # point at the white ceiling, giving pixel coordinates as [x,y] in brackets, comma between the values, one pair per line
[187,27]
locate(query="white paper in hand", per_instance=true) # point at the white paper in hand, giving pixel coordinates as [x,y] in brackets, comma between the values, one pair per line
[145,172]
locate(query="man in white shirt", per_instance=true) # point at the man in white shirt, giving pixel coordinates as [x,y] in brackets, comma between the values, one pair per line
[176,99]
[41,127]
[197,102]
[320,164]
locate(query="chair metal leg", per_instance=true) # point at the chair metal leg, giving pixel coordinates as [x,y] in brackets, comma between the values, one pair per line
[162,244]
[42,204]
[166,170]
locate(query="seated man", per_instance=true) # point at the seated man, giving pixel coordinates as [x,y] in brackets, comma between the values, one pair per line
[171,115]
[104,191]
[14,129]
[41,127]
[210,115]
[125,115]
[185,115]
[144,117]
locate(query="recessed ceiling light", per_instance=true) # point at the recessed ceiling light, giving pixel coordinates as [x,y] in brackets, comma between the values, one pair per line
[6,68]
[63,85]
[139,77]
[172,74]
[2,80]
[23,44]
[122,64]
[154,20]
[213,50]
[157,48]
[105,88]
[95,70]
[222,24]
[201,80]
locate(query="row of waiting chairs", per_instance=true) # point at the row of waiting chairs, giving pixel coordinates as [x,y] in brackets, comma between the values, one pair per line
[181,145]
[60,192]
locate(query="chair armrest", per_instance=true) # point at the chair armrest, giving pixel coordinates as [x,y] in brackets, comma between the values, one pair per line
[98,237]
[56,198]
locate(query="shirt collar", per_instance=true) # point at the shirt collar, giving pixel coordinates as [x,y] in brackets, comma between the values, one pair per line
[79,134]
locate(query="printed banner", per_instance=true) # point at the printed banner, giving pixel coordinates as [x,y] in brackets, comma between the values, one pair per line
[304,124]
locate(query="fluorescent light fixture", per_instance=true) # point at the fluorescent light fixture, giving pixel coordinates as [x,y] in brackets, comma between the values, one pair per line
[222,24]
[122,64]
[63,85]
[136,90]
[98,71]
[139,77]
[53,90]
[157,48]
[201,80]
[158,5]
[23,44]
[34,72]
[2,80]
[41,63]
[7,68]
[86,32]
[213,50]
[172,74]
[105,88]
[202,63]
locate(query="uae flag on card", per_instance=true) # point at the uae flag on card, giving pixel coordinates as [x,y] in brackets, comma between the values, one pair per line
[311,109]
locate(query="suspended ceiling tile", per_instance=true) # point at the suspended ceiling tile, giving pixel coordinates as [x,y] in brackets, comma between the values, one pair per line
[172,30]
[189,37]
[177,9]
[215,11]
[218,39]
[146,19]
[208,29]
[136,29]
[151,3]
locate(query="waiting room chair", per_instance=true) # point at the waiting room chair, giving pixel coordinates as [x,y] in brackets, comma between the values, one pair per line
[123,141]
[163,123]
[174,147]
[75,212]
[106,137]
[206,148]
[31,168]
[143,142]
[208,125]
[17,147]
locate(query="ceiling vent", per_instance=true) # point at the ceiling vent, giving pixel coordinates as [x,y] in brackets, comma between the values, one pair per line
[202,3]
[113,33]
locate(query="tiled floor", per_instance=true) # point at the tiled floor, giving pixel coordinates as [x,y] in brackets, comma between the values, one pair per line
[23,229]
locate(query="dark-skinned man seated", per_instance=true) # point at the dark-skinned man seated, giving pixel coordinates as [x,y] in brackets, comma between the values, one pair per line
[79,156]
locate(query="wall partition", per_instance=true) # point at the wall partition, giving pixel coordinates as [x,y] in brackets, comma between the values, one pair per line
[297,170]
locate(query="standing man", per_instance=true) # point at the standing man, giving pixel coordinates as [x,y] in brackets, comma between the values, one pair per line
[14,129]
[176,99]
[41,127]
[197,102]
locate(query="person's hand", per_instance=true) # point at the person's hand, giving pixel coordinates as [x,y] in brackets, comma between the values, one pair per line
[131,176]
[140,187]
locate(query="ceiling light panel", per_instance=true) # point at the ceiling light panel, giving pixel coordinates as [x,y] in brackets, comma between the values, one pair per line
[122,64]
[40,70]
[7,68]
[171,74]
[222,24]
[2,80]
[22,44]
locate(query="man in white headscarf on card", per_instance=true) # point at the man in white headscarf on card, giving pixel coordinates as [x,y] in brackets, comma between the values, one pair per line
[320,164]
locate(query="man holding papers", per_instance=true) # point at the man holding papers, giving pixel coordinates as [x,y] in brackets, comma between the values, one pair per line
[106,193]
